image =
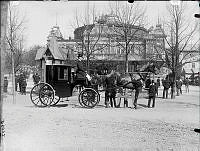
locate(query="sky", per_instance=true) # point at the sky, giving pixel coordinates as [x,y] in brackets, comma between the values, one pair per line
[42,16]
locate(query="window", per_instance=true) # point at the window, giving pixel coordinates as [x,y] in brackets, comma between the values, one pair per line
[193,65]
[63,74]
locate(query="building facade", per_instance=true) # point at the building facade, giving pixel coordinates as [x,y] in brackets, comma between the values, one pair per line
[104,42]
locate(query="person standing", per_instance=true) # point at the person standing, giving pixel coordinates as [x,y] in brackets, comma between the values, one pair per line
[20,81]
[187,83]
[23,85]
[138,88]
[36,78]
[110,93]
[178,87]
[152,94]
[5,85]
[158,82]
[157,85]
[166,85]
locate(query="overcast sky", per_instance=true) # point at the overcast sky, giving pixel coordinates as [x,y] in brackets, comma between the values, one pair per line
[41,16]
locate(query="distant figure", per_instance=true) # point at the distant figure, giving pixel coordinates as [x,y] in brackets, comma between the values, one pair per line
[152,94]
[157,86]
[5,84]
[20,82]
[158,82]
[178,87]
[166,85]
[23,85]
[187,83]
[36,78]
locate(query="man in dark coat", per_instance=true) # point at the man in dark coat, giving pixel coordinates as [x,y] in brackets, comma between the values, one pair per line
[166,85]
[178,87]
[152,93]
[147,82]
[36,78]
[110,93]
[23,84]
[80,72]
[138,87]
[20,79]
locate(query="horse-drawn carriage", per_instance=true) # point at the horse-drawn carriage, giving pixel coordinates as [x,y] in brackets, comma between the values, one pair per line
[59,83]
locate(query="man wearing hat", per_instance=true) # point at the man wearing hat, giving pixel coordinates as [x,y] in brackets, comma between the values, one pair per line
[80,77]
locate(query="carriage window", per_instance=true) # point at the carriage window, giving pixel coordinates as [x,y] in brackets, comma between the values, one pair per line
[62,74]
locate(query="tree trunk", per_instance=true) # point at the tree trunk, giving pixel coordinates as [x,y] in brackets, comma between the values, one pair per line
[126,60]
[13,79]
[4,9]
[173,85]
[88,64]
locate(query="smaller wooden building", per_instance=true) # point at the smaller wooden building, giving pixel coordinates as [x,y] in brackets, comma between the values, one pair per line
[55,67]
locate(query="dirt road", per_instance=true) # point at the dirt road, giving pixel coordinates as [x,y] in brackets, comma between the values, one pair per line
[168,126]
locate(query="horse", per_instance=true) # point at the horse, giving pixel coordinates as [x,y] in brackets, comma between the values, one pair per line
[131,81]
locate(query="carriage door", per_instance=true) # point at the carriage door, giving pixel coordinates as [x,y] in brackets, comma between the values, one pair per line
[49,74]
[63,81]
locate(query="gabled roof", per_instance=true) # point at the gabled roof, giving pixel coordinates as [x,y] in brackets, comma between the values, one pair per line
[40,53]
[53,48]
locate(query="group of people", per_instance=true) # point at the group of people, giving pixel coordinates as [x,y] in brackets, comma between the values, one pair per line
[20,80]
[179,83]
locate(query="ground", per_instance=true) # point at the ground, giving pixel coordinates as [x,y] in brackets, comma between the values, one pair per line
[69,127]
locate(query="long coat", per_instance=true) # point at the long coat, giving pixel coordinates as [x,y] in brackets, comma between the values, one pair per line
[80,73]
[152,90]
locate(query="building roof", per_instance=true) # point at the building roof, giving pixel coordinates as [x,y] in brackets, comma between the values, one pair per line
[57,53]
[40,53]
[55,50]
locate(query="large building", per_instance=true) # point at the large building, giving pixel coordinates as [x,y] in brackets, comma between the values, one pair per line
[106,44]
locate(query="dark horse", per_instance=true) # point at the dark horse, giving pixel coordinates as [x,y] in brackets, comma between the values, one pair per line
[132,81]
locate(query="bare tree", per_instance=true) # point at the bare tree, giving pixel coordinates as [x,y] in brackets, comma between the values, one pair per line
[180,37]
[89,35]
[127,28]
[29,56]
[14,39]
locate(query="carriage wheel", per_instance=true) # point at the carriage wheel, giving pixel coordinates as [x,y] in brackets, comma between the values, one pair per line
[89,98]
[55,101]
[46,94]
[34,95]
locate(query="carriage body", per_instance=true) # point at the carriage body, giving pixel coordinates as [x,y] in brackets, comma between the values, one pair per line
[55,70]
[60,78]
